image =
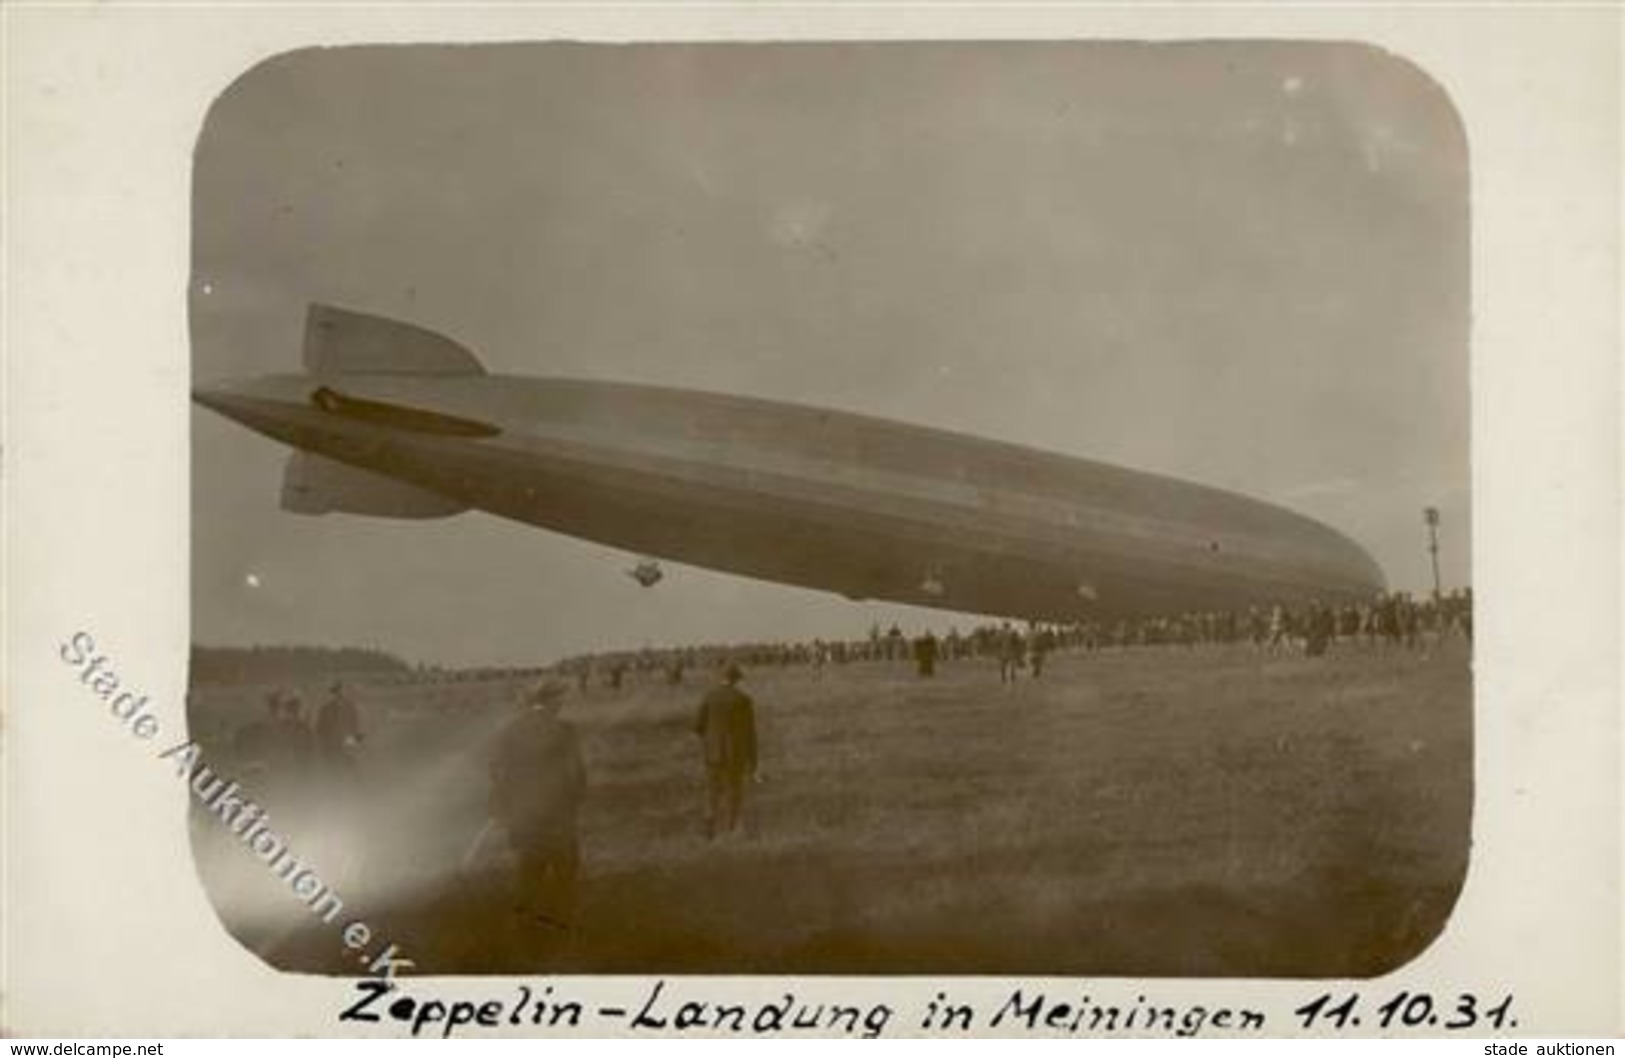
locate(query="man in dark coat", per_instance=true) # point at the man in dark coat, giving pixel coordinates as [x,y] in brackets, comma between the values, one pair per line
[1320,630]
[925,654]
[338,733]
[1012,653]
[538,781]
[252,742]
[1043,641]
[291,745]
[726,724]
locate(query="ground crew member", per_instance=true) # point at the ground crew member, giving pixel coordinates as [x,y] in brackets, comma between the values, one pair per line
[1043,642]
[1012,653]
[726,724]
[338,732]
[538,781]
[925,654]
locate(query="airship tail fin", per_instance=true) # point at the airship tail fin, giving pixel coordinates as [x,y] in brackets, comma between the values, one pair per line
[340,342]
[313,484]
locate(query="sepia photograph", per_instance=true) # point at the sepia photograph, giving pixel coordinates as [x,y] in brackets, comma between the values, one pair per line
[809,521]
[843,508]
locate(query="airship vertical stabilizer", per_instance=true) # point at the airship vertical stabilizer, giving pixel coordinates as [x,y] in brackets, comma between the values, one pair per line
[338,341]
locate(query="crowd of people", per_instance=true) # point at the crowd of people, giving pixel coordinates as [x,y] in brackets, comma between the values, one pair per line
[286,744]
[1395,619]
[536,772]
[301,768]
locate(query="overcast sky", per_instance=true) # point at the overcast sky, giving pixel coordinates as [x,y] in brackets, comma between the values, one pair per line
[1239,264]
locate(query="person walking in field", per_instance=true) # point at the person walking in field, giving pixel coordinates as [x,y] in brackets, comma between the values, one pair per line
[1012,653]
[925,654]
[1407,620]
[291,745]
[252,742]
[338,734]
[538,781]
[726,724]
[1319,629]
[1043,642]
[1258,627]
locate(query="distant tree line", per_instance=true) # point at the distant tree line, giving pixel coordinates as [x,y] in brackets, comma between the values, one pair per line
[267,664]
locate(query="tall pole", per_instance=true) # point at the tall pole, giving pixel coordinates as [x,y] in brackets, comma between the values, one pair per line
[1431,516]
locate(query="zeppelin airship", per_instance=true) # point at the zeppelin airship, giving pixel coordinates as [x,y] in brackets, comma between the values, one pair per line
[391,420]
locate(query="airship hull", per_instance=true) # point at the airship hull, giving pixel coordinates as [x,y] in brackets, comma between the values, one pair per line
[866,507]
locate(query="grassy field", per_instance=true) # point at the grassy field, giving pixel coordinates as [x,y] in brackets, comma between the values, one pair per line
[1166,811]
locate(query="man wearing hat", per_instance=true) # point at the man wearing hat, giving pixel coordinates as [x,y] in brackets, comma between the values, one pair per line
[537,782]
[726,725]
[252,741]
[338,733]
